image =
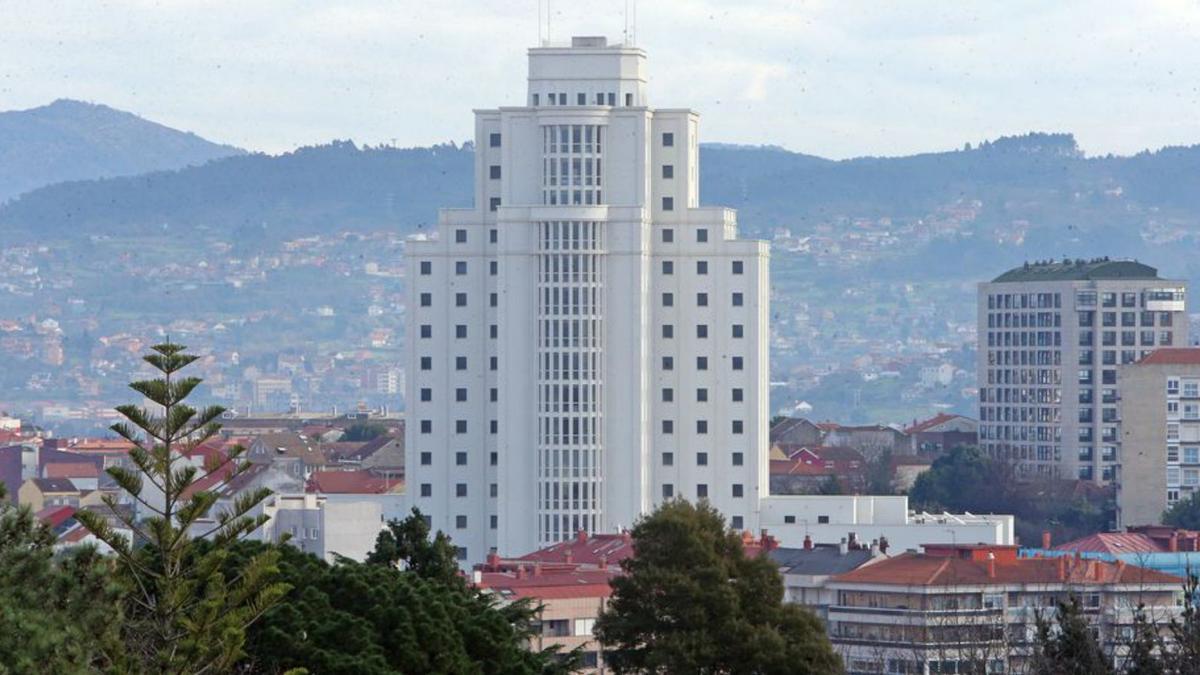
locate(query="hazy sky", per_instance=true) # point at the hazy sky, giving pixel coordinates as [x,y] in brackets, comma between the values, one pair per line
[837,78]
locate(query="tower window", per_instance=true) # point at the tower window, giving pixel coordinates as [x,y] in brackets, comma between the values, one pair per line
[494,140]
[581,99]
[628,100]
[494,204]
[737,266]
[702,235]
[426,268]
[460,236]
[668,140]
[668,203]
[426,299]
[494,172]
[668,235]
[668,171]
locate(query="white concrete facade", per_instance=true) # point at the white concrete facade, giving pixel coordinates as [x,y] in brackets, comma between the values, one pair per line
[586,340]
[830,519]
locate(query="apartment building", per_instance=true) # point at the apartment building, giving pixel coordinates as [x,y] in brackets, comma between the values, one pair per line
[964,609]
[1160,434]
[586,341]
[1052,337]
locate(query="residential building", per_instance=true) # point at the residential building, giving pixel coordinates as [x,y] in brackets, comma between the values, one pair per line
[966,608]
[39,493]
[1159,445]
[827,519]
[810,470]
[796,431]
[807,570]
[1052,336]
[942,433]
[586,341]
[872,440]
[345,487]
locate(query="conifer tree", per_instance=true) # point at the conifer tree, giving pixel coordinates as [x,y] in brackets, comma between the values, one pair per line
[183,614]
[1065,644]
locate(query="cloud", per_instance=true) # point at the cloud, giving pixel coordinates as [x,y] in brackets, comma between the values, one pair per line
[832,78]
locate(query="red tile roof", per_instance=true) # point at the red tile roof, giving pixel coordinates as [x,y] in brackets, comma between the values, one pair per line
[584,549]
[1113,542]
[348,482]
[544,582]
[101,445]
[56,515]
[915,569]
[1173,356]
[798,467]
[924,425]
[71,470]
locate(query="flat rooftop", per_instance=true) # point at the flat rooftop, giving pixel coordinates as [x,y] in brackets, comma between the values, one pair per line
[1078,270]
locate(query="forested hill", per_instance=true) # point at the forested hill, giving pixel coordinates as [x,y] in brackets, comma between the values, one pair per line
[1062,202]
[72,140]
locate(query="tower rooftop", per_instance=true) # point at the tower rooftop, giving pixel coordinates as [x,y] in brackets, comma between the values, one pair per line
[1078,270]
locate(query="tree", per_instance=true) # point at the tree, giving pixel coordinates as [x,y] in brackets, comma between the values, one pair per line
[1065,644]
[1184,631]
[691,601]
[57,615]
[363,431]
[351,618]
[1184,514]
[406,543]
[184,614]
[1145,648]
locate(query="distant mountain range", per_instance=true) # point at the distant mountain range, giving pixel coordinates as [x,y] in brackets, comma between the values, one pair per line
[73,140]
[1038,194]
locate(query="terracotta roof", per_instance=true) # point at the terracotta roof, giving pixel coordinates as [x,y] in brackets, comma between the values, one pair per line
[1173,356]
[796,467]
[586,550]
[101,445]
[545,583]
[74,535]
[209,481]
[71,470]
[55,516]
[915,569]
[348,482]
[925,425]
[1113,542]
[829,453]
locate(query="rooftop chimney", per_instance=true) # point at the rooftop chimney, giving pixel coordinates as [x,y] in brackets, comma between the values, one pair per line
[883,545]
[569,556]
[1173,542]
[581,536]
[807,543]
[603,562]
[1046,539]
[991,565]
[874,547]
[520,571]
[477,577]
[843,548]
[1062,568]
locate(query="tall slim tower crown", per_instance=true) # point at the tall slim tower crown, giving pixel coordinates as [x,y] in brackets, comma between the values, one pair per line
[587,340]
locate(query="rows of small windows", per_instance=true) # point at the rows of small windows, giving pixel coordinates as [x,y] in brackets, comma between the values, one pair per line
[1145,319]
[425,363]
[1024,301]
[1108,453]
[425,299]
[572,164]
[460,427]
[1024,319]
[735,459]
[460,332]
[460,459]
[1024,357]
[1126,298]
[736,363]
[736,427]
[1043,376]
[604,98]
[1041,338]
[460,267]
[1128,338]
[1039,453]
[1109,357]
[667,236]
[1185,388]
[460,394]
[1020,395]
[737,267]
[668,331]
[570,235]
[1031,433]
[737,395]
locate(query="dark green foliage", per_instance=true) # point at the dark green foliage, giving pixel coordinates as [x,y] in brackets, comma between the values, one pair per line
[405,543]
[1145,649]
[351,619]
[56,615]
[691,601]
[363,431]
[1184,514]
[1069,650]
[183,613]
[1184,632]
[966,479]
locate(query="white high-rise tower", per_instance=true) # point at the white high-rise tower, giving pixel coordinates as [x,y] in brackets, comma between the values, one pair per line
[588,340]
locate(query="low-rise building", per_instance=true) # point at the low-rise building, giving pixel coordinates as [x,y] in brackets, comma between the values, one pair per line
[807,570]
[38,493]
[941,433]
[828,518]
[960,608]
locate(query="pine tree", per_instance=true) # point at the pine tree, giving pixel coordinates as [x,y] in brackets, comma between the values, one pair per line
[1065,644]
[1146,649]
[406,543]
[183,614]
[1184,631]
